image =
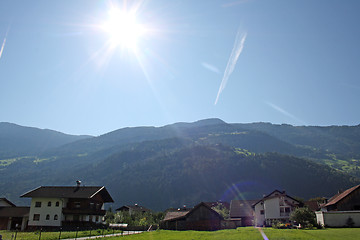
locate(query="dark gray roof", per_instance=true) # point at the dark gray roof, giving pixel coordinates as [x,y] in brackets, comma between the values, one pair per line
[242,208]
[14,211]
[69,192]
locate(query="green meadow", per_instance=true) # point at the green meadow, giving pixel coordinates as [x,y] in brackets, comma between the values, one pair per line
[249,233]
[7,235]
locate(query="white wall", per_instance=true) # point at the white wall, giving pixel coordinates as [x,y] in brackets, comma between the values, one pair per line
[259,218]
[45,210]
[272,208]
[337,218]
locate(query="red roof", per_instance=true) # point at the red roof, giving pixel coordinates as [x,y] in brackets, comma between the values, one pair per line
[340,196]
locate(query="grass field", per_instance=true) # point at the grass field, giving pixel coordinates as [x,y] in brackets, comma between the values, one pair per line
[7,235]
[249,233]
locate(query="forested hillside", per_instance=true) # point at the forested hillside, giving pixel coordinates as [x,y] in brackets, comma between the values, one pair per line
[185,163]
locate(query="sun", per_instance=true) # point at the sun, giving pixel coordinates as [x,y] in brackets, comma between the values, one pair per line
[123,28]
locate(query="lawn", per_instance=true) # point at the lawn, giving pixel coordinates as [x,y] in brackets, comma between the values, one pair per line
[249,233]
[7,235]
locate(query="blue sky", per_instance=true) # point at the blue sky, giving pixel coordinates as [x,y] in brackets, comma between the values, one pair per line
[294,62]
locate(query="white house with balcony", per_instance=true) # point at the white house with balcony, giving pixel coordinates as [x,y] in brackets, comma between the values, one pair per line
[55,206]
[277,206]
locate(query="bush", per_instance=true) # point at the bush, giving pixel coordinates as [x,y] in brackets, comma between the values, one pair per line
[303,216]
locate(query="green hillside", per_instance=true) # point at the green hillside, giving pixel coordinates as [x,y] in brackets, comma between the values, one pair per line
[185,163]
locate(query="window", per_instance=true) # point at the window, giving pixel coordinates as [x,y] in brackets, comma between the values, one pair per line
[77,204]
[49,204]
[284,211]
[57,204]
[97,218]
[56,217]
[37,204]
[47,217]
[92,205]
[262,212]
[36,217]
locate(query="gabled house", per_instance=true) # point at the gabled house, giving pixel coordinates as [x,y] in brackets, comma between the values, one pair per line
[201,218]
[11,216]
[67,206]
[343,209]
[242,212]
[133,209]
[347,200]
[277,206]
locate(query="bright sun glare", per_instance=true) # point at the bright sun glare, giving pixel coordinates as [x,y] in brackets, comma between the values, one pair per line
[123,29]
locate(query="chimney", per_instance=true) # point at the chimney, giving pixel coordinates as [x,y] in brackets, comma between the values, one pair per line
[78,183]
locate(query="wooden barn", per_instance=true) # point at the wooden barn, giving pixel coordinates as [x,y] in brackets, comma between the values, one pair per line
[200,218]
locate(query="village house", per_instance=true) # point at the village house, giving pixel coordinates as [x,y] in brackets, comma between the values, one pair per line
[55,206]
[277,206]
[133,209]
[343,209]
[11,216]
[201,218]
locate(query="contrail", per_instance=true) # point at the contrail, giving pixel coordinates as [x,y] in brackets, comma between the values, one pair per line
[237,49]
[210,67]
[3,44]
[282,111]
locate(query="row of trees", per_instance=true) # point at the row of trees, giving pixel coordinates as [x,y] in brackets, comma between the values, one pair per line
[136,218]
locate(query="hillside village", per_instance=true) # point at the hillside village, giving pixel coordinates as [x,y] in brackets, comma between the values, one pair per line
[81,206]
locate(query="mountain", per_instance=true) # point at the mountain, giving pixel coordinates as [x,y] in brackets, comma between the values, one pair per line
[18,141]
[184,163]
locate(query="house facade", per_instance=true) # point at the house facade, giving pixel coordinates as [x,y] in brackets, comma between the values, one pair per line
[277,206]
[67,206]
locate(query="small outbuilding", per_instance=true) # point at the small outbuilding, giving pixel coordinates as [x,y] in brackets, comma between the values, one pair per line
[13,217]
[201,218]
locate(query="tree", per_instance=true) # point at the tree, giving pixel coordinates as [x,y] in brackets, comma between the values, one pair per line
[304,216]
[222,210]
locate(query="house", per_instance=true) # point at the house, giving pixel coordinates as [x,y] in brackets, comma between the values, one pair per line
[132,209]
[277,206]
[55,206]
[343,209]
[201,218]
[242,212]
[347,200]
[11,216]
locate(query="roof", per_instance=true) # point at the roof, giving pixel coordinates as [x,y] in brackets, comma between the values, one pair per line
[241,208]
[7,201]
[172,215]
[69,192]
[14,211]
[134,207]
[281,193]
[340,196]
[313,205]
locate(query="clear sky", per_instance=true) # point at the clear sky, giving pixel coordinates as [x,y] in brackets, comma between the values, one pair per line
[90,67]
